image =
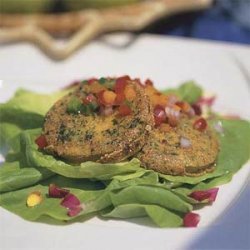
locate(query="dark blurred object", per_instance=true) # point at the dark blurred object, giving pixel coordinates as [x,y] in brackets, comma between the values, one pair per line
[57,6]
[238,9]
[227,20]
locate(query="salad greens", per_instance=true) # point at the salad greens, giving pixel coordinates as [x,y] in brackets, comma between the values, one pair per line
[189,92]
[120,190]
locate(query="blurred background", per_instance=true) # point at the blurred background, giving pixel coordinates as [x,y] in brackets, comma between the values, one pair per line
[224,20]
[220,20]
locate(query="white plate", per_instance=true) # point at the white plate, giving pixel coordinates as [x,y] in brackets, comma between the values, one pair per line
[219,68]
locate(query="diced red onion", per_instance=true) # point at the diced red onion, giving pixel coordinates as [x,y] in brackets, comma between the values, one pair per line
[56,192]
[197,109]
[74,211]
[213,194]
[205,195]
[218,127]
[191,220]
[185,142]
[70,201]
[92,80]
[206,101]
[159,115]
[200,124]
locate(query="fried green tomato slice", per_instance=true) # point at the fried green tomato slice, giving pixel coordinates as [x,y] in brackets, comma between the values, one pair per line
[183,150]
[82,136]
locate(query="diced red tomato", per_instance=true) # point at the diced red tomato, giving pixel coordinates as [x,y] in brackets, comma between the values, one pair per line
[185,107]
[119,88]
[96,87]
[107,97]
[158,99]
[124,110]
[120,98]
[41,142]
[121,83]
[92,80]
[159,115]
[200,124]
[129,93]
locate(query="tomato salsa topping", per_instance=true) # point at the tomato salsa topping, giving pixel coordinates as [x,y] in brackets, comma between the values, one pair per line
[200,124]
[105,96]
[109,95]
[41,142]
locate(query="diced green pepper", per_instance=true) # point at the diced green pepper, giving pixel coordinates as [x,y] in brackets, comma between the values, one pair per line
[74,105]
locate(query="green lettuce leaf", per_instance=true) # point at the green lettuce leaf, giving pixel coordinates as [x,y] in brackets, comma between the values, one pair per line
[7,132]
[96,200]
[138,178]
[144,194]
[12,177]
[121,190]
[188,91]
[18,174]
[88,193]
[27,109]
[15,172]
[159,215]
[91,170]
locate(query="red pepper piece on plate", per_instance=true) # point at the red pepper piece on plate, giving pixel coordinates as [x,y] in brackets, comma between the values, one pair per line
[41,142]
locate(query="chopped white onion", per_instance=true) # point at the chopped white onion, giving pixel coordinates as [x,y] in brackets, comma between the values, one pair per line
[172,115]
[171,112]
[106,111]
[218,127]
[185,143]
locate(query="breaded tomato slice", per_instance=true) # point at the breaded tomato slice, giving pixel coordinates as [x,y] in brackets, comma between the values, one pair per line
[105,120]
[180,150]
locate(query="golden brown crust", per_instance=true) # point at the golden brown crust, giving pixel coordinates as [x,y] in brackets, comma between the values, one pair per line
[163,151]
[78,138]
